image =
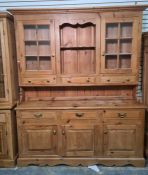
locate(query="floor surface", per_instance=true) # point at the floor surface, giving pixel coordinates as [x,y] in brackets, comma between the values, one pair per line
[66,170]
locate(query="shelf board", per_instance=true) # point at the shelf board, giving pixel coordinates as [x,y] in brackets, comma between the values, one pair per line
[78,48]
[125,53]
[111,38]
[126,38]
[111,54]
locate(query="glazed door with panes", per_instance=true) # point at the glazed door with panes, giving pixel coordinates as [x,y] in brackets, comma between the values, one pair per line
[37,57]
[3,75]
[119,52]
[78,50]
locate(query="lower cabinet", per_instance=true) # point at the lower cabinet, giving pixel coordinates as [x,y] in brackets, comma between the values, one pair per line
[8,138]
[94,136]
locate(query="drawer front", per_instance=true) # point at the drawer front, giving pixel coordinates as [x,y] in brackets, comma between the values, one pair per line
[2,117]
[78,80]
[118,79]
[38,114]
[123,114]
[80,115]
[39,81]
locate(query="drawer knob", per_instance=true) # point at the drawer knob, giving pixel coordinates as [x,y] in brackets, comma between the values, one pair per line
[122,115]
[54,132]
[38,115]
[79,114]
[63,132]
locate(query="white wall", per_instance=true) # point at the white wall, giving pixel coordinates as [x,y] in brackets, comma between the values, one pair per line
[9,4]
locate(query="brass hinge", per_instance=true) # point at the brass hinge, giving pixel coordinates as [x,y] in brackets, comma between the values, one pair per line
[6,133]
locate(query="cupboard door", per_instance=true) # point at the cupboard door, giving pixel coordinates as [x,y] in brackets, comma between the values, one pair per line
[38,52]
[122,140]
[38,140]
[82,140]
[3,140]
[119,45]
[3,81]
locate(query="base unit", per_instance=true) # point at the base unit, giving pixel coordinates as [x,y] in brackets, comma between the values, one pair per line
[80,136]
[137,162]
[8,137]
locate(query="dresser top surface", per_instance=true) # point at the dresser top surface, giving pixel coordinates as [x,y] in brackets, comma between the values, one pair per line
[82,104]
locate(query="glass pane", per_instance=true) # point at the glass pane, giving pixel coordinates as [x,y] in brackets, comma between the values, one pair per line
[125,46]
[126,30]
[112,30]
[125,61]
[111,62]
[43,32]
[31,63]
[30,32]
[2,85]
[30,48]
[111,46]
[44,48]
[45,63]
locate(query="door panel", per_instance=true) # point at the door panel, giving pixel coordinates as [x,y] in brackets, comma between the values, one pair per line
[3,140]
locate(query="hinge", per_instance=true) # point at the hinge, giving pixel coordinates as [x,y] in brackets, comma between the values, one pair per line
[3,32]
[8,91]
[6,133]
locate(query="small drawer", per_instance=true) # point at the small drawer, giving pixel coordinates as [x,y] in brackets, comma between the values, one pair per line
[80,115]
[118,79]
[38,115]
[39,81]
[78,80]
[123,114]
[2,118]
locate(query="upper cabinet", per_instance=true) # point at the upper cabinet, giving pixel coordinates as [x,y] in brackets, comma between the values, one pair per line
[37,52]
[78,47]
[8,76]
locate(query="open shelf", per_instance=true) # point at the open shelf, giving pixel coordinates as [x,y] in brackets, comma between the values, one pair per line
[77,48]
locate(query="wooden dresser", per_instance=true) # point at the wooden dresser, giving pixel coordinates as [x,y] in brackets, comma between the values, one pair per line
[145,84]
[8,91]
[78,74]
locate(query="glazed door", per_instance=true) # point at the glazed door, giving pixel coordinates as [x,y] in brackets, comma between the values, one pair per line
[122,140]
[3,62]
[119,45]
[39,140]
[82,140]
[37,57]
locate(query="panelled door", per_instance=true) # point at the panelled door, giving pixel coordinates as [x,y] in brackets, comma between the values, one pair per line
[81,140]
[3,140]
[122,140]
[39,140]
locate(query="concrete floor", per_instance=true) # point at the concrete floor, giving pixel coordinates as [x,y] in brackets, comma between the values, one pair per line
[66,170]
